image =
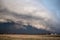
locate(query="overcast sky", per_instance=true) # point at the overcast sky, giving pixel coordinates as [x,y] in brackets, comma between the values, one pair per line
[47,9]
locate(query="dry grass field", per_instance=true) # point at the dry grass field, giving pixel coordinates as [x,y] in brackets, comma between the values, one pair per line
[29,37]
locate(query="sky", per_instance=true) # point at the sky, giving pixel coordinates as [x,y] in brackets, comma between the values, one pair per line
[46,13]
[53,6]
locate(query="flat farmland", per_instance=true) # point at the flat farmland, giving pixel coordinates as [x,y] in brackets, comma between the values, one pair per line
[28,37]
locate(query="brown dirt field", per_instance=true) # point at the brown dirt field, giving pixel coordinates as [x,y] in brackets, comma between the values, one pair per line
[28,37]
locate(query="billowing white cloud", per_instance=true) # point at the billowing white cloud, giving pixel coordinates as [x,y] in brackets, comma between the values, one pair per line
[31,7]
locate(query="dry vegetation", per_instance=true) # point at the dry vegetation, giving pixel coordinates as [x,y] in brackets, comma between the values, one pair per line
[29,37]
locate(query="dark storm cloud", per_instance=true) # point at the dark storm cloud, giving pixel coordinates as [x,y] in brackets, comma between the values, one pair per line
[32,12]
[11,16]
